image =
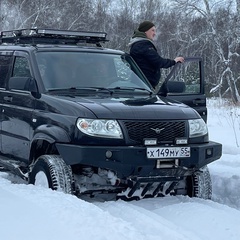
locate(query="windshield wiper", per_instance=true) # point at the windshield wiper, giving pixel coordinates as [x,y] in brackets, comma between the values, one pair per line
[96,90]
[80,90]
[130,89]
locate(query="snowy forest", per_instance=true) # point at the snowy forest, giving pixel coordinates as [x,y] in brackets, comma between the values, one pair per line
[206,28]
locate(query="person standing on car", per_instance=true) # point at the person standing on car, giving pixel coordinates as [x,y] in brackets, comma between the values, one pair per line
[144,52]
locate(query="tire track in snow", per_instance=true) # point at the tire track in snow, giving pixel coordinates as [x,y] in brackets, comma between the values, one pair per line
[201,217]
[159,227]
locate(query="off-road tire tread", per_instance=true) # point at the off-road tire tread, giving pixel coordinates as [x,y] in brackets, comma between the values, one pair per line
[60,173]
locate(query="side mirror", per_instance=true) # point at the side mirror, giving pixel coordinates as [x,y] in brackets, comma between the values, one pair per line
[23,83]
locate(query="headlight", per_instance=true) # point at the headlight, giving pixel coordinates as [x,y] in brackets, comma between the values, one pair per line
[100,128]
[197,128]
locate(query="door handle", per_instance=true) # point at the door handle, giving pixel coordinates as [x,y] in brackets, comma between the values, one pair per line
[8,98]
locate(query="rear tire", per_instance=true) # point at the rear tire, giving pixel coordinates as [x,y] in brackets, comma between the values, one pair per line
[51,171]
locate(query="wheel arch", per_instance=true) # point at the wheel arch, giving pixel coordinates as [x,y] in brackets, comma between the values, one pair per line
[44,139]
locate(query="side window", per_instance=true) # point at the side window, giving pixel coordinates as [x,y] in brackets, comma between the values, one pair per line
[187,77]
[21,67]
[21,75]
[5,66]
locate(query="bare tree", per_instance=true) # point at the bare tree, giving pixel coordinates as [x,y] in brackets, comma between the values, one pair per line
[218,35]
[238,6]
[65,14]
[124,14]
[209,28]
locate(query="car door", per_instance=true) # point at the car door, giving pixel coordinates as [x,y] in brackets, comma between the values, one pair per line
[17,107]
[185,83]
[6,59]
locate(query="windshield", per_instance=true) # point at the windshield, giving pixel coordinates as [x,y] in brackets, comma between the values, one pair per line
[64,70]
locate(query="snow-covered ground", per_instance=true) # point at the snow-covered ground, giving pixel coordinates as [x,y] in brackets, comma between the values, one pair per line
[33,213]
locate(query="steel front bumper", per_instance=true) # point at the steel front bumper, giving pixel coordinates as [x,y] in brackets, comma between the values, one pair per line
[132,161]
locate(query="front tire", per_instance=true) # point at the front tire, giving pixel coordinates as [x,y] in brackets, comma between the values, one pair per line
[200,184]
[51,171]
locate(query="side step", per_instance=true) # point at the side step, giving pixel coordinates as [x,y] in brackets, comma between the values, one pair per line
[14,166]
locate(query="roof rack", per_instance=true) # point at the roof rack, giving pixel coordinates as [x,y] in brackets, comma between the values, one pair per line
[35,36]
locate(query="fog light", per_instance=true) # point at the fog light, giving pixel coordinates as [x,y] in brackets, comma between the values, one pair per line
[209,152]
[108,154]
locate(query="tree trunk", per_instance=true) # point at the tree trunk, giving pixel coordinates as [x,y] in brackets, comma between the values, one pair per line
[232,87]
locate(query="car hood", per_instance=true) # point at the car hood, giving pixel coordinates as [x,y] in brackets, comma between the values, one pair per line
[138,108]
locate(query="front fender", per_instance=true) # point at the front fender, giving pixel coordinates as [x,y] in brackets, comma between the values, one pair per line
[51,134]
[44,139]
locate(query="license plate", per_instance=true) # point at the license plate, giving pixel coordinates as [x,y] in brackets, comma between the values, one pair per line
[168,152]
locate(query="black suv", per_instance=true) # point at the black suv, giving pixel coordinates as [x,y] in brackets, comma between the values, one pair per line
[83,119]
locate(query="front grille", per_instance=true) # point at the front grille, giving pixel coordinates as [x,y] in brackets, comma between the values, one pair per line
[168,131]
